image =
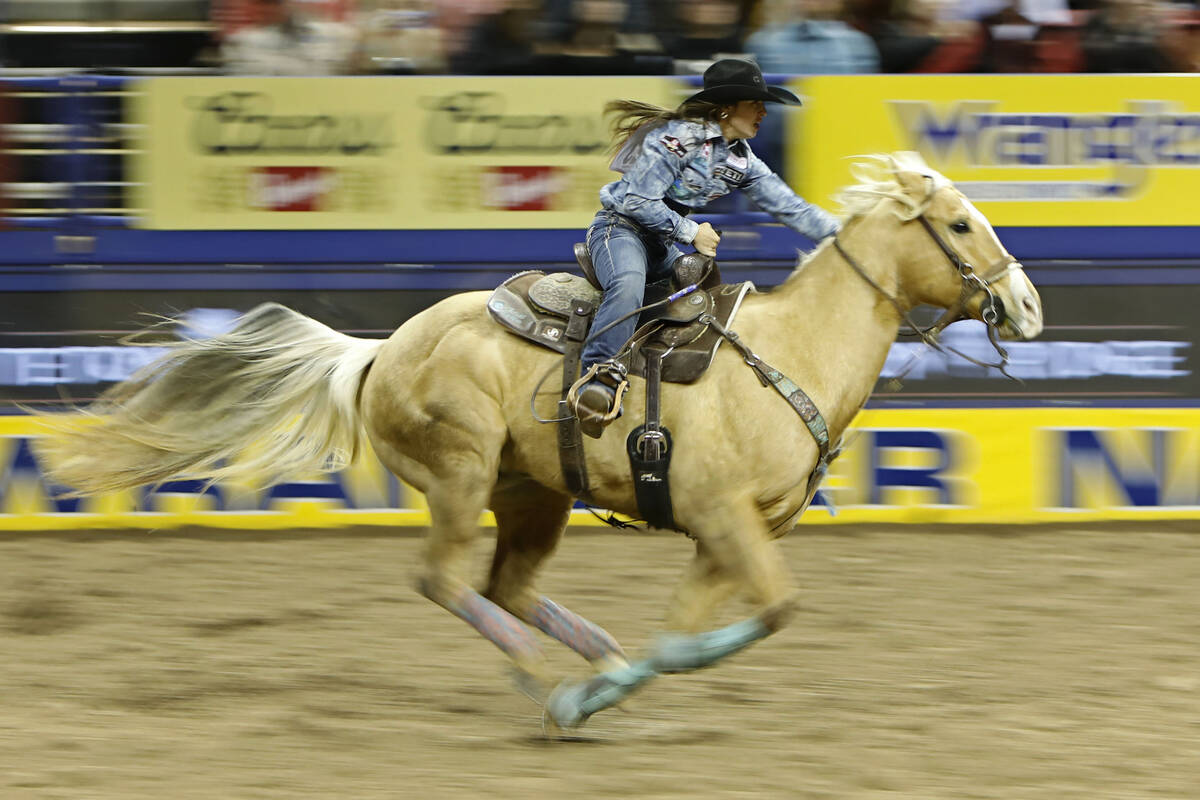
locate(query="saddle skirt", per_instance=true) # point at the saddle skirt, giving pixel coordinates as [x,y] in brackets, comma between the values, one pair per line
[536,306]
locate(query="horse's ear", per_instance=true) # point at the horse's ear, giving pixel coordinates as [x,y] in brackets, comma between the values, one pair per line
[916,185]
[913,175]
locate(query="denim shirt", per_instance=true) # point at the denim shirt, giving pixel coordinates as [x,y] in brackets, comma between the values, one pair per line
[690,163]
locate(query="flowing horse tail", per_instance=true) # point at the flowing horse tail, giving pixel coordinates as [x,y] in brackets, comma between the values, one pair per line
[276,398]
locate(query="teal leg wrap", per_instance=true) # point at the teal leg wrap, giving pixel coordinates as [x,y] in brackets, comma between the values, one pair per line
[683,653]
[571,704]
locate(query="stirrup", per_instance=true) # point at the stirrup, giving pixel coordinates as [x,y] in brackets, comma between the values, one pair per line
[612,375]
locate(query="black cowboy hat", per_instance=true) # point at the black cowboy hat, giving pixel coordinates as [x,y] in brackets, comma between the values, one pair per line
[732,79]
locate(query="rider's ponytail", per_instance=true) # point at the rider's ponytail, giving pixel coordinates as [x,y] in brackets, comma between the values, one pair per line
[631,115]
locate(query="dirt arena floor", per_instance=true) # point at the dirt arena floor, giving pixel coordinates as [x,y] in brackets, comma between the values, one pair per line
[1015,664]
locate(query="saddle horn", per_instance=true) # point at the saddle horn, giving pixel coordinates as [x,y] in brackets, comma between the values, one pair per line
[694,268]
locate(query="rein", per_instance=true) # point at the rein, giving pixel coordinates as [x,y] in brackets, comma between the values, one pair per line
[991,310]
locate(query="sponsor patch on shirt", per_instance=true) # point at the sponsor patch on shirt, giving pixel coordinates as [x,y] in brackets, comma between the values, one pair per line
[728,173]
[674,145]
[736,161]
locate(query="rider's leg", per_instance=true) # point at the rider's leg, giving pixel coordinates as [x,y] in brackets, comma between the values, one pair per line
[620,261]
[625,260]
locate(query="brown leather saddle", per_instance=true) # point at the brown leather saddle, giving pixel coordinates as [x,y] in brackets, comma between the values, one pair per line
[674,341]
[538,307]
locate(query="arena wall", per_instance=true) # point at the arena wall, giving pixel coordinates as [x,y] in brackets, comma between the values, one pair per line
[362,201]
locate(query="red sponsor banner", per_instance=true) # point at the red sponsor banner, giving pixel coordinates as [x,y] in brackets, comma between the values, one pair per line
[230,15]
[290,188]
[523,188]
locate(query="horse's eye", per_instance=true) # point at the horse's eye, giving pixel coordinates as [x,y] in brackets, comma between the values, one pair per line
[961,226]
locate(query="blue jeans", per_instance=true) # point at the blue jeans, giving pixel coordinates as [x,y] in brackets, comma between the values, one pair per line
[625,256]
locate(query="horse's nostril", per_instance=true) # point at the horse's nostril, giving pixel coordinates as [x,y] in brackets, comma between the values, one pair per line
[1029,305]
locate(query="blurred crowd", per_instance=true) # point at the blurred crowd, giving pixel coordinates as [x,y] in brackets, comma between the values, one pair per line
[521,37]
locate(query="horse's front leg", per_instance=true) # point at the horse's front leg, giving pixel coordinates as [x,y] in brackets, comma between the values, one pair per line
[735,551]
[705,585]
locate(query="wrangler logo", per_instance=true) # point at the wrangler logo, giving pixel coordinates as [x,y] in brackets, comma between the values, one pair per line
[1152,133]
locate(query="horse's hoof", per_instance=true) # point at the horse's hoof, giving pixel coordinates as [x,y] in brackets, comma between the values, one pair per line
[564,706]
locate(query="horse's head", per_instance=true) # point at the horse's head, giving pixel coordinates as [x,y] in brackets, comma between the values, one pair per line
[949,256]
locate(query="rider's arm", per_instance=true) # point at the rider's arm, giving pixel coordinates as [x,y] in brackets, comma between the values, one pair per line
[665,153]
[769,192]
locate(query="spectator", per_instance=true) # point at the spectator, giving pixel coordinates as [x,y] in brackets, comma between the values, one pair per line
[913,37]
[1181,39]
[281,42]
[1125,36]
[511,41]
[457,20]
[1037,12]
[602,37]
[813,38]
[704,28]
[590,28]
[400,37]
[1009,41]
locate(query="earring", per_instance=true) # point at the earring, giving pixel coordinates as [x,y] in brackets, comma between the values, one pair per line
[724,115]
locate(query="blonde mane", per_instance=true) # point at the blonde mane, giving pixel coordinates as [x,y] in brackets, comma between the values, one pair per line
[877,181]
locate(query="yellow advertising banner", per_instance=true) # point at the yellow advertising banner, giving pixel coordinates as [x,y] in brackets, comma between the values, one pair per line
[1029,150]
[998,465]
[378,153]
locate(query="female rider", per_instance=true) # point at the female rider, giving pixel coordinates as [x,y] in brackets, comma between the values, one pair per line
[672,163]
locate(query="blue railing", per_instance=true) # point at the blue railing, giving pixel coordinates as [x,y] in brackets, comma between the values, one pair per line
[65,139]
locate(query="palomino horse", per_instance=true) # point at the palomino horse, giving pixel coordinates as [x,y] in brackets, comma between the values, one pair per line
[445,403]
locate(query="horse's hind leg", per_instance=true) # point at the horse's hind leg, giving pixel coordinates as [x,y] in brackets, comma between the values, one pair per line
[529,523]
[736,545]
[456,501]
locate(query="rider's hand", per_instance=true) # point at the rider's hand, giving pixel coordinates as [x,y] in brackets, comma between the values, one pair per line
[706,240]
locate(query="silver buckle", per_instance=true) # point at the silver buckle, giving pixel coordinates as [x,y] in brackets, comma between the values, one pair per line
[655,436]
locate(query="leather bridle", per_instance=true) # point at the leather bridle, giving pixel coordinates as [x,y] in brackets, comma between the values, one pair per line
[991,309]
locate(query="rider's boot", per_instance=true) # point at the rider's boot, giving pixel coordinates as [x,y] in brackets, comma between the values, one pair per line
[596,397]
